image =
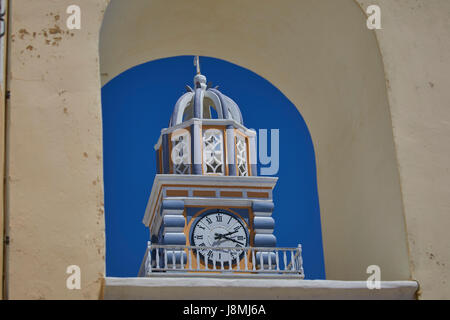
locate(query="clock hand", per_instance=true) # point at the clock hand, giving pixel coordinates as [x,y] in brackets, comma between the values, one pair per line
[218,235]
[229,233]
[233,240]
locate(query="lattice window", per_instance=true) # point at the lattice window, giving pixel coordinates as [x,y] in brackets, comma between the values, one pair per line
[213,152]
[181,155]
[241,156]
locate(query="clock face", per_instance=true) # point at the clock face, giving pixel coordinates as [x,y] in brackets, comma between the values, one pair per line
[220,229]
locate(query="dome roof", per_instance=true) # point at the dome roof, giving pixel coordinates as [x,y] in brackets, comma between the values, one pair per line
[204,102]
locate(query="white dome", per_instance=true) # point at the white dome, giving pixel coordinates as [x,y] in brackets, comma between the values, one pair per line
[204,103]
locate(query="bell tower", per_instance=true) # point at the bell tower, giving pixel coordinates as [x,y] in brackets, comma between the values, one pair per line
[208,208]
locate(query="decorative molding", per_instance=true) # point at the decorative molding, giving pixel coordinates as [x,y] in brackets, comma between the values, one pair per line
[253,194]
[177,193]
[231,194]
[264,240]
[217,182]
[204,193]
[263,224]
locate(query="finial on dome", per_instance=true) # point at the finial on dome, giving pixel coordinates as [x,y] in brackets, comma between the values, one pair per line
[199,79]
[197,63]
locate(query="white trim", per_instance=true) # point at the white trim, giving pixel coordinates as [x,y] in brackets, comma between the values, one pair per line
[215,99]
[182,103]
[209,148]
[191,286]
[217,181]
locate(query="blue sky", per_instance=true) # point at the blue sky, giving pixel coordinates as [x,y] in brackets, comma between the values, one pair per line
[138,103]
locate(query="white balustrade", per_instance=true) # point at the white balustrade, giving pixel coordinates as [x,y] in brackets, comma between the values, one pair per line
[250,260]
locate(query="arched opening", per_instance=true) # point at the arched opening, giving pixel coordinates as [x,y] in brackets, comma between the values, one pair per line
[333,75]
[139,125]
[188,113]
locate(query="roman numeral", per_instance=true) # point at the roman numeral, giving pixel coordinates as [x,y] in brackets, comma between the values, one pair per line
[209,220]
[219,218]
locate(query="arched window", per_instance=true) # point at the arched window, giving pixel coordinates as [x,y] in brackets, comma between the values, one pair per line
[209,109]
[213,152]
[188,112]
[181,152]
[241,156]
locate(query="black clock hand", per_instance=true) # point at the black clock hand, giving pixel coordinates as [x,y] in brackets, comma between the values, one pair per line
[229,233]
[233,240]
[218,235]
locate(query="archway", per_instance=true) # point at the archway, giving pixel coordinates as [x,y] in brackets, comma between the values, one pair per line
[321,56]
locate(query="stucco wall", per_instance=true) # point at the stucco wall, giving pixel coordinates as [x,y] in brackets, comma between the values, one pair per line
[55,184]
[415,44]
[316,52]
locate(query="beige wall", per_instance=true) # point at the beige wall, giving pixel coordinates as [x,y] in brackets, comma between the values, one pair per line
[55,183]
[376,173]
[415,43]
[2,164]
[3,53]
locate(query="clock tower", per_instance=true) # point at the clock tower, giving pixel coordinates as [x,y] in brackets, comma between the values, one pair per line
[208,209]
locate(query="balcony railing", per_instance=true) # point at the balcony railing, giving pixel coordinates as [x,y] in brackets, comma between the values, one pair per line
[192,260]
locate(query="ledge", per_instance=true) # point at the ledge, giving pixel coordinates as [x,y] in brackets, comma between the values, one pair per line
[206,288]
[203,180]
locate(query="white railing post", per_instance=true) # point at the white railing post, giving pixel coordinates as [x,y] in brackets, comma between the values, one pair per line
[300,259]
[269,257]
[165,258]
[261,260]
[277,260]
[292,260]
[182,258]
[149,258]
[189,252]
[246,260]
[253,259]
[198,259]
[157,257]
[174,265]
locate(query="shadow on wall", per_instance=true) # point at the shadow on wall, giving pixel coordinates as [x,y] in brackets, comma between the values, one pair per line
[138,103]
